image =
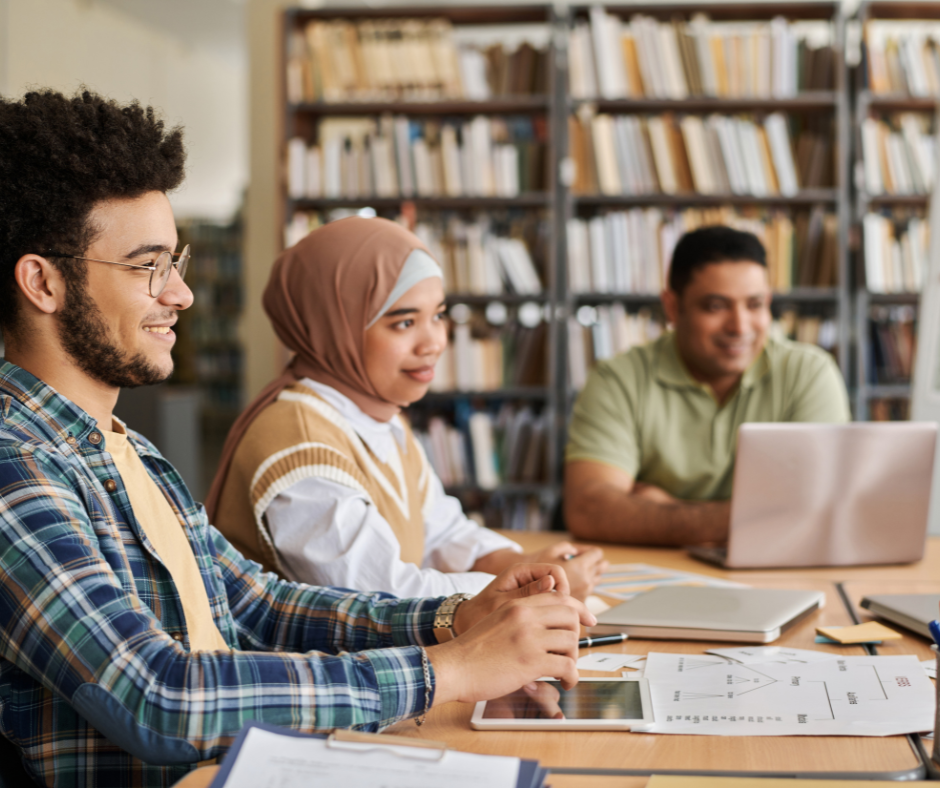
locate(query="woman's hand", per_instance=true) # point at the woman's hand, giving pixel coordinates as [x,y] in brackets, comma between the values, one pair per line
[583,565]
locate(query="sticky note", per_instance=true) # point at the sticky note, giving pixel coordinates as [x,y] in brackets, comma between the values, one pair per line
[824,639]
[860,633]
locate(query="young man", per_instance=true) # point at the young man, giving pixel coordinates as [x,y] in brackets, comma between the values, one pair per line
[653,435]
[134,640]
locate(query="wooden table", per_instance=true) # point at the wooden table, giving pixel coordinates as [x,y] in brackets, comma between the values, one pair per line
[896,757]
[625,760]
[927,570]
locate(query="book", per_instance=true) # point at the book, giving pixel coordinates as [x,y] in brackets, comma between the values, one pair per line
[891,344]
[629,251]
[714,154]
[902,56]
[400,156]
[406,60]
[613,58]
[486,448]
[896,248]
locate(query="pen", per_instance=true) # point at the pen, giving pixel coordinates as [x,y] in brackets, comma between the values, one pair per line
[934,627]
[603,640]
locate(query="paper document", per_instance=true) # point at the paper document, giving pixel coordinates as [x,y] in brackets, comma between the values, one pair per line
[754,654]
[603,660]
[625,581]
[268,759]
[845,696]
[930,668]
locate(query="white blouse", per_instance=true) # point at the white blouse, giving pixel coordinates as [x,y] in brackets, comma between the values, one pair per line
[329,534]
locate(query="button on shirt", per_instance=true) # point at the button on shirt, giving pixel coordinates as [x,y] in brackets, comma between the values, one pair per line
[331,534]
[97,687]
[644,413]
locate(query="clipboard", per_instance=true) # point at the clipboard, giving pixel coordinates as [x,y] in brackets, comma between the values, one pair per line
[531,774]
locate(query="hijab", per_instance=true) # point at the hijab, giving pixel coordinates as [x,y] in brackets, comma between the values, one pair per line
[322,295]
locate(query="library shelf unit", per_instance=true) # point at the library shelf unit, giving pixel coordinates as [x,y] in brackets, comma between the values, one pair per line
[833,302]
[870,306]
[557,204]
[210,355]
[489,24]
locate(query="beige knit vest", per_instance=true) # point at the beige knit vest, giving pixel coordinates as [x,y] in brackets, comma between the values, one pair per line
[300,436]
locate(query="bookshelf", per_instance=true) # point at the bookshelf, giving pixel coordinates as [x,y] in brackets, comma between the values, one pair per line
[209,353]
[887,301]
[459,217]
[803,107]
[811,105]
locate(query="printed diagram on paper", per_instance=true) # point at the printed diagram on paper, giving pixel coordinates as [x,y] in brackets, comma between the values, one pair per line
[625,581]
[857,696]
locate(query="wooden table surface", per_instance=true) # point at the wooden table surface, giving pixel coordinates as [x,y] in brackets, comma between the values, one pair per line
[927,570]
[644,753]
[636,755]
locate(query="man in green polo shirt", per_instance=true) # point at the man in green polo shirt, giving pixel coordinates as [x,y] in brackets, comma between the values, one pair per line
[652,440]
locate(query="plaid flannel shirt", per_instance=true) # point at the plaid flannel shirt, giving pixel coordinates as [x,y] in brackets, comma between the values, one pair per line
[97,683]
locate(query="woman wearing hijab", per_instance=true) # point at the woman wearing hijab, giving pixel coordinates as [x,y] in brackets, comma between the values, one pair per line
[321,480]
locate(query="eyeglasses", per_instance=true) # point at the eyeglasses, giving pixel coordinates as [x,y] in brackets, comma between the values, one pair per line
[159,268]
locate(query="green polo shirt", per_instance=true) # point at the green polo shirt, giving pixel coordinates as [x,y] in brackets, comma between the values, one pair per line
[644,413]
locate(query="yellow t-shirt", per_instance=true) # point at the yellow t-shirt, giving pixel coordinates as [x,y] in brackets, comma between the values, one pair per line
[165,532]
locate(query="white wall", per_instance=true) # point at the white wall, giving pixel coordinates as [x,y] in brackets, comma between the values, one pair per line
[64,44]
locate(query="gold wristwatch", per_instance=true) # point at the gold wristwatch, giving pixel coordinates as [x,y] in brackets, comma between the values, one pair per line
[444,617]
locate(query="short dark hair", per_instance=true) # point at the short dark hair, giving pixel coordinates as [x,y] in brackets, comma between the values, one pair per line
[714,244]
[59,157]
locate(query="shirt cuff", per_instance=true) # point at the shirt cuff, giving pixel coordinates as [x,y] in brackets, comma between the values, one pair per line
[413,622]
[399,677]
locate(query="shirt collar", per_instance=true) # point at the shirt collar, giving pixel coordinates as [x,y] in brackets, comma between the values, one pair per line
[43,410]
[47,413]
[672,371]
[379,436]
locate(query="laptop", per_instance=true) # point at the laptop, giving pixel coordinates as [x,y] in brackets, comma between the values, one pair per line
[828,495]
[912,611]
[741,615]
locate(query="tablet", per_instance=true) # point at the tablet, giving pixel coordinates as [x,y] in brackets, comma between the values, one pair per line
[593,704]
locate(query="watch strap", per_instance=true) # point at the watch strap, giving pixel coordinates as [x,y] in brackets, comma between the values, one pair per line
[444,617]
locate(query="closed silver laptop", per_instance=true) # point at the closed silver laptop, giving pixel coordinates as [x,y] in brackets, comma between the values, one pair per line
[828,495]
[914,611]
[742,615]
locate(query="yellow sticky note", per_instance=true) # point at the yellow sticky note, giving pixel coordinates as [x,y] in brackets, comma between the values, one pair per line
[860,633]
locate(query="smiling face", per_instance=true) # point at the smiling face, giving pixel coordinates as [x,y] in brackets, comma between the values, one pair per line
[403,346]
[110,325]
[721,320]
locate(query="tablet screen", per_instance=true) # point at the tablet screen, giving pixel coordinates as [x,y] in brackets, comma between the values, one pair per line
[588,700]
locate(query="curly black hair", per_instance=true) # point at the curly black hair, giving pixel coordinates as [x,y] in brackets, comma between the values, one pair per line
[59,157]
